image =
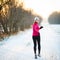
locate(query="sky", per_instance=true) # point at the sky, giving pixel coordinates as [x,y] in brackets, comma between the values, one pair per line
[42,7]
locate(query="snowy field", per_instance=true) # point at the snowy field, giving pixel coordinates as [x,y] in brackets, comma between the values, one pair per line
[20,46]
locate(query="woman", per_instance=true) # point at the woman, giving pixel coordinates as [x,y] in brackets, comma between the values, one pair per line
[36,36]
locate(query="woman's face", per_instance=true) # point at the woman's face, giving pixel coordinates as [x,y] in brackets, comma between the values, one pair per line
[37,21]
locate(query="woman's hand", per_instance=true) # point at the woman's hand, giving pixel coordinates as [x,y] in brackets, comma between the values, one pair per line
[41,27]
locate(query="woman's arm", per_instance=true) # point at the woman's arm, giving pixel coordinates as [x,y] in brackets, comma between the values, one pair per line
[37,28]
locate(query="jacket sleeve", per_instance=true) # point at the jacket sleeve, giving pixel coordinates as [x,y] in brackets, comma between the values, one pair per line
[37,28]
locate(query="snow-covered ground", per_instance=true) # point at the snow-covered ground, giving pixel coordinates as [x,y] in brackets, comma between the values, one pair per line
[20,46]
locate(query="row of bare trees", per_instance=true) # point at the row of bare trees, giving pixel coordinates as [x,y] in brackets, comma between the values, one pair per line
[54,18]
[14,18]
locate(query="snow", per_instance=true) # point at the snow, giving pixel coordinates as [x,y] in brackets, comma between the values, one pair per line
[20,46]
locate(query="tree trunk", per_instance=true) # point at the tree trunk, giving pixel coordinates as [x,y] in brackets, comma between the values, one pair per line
[5,28]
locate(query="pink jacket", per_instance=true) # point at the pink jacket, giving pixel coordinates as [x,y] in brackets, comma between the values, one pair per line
[36,29]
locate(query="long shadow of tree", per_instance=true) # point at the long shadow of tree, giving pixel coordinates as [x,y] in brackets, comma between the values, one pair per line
[54,18]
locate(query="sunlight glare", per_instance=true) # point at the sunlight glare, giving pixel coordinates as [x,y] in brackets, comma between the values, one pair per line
[43,7]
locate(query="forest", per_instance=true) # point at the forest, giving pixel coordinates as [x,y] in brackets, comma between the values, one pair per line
[14,18]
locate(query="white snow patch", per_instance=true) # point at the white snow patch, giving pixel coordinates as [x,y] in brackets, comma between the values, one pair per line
[20,46]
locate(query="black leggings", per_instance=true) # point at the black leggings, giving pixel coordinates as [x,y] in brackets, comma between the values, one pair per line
[36,40]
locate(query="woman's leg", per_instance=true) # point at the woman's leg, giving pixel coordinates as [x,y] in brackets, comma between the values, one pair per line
[34,41]
[39,47]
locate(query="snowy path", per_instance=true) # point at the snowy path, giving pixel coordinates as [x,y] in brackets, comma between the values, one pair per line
[20,46]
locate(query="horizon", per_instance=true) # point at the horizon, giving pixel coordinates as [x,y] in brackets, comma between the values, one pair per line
[47,8]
